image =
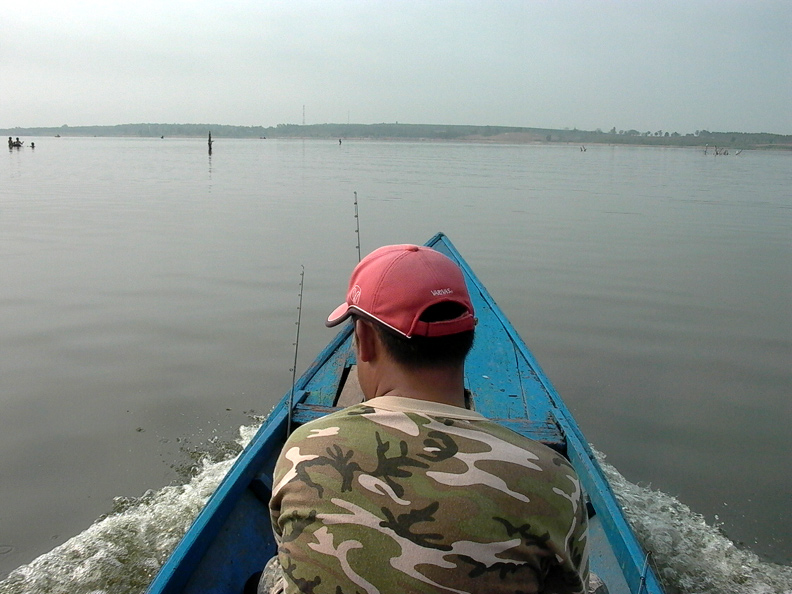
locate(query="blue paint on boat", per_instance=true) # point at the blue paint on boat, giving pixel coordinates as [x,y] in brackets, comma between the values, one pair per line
[232,539]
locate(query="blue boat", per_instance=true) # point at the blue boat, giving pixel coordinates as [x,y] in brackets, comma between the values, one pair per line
[231,539]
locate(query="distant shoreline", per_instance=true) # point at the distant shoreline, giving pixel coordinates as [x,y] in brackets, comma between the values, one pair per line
[436,132]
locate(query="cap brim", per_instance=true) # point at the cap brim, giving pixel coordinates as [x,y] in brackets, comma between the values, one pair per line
[339,314]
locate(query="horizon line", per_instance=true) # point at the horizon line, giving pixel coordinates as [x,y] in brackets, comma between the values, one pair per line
[396,123]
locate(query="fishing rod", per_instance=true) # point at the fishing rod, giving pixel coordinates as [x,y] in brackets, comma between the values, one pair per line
[299,320]
[296,348]
[357,223]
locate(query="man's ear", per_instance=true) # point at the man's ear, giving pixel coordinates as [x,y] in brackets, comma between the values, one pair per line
[367,341]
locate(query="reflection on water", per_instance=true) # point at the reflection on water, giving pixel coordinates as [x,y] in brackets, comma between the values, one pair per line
[148,300]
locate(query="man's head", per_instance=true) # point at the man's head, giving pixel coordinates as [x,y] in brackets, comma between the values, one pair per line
[417,301]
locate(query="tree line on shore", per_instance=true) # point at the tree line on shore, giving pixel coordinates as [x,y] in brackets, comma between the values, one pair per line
[422,131]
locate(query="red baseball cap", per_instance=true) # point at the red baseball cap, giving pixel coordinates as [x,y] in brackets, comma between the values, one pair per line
[395,284]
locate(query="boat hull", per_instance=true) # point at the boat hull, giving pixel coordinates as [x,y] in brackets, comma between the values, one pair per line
[232,539]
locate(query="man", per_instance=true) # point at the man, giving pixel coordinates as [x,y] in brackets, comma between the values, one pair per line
[410,491]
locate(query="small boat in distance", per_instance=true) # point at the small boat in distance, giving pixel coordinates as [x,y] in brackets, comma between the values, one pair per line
[231,539]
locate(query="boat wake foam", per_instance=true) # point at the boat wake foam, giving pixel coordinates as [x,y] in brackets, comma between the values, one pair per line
[691,556]
[122,552]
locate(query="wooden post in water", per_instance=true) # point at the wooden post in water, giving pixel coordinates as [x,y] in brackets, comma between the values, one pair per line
[210,142]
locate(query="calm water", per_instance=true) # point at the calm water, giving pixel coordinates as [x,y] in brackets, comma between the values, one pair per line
[148,299]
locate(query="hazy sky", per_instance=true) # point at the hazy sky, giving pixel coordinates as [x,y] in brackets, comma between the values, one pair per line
[722,65]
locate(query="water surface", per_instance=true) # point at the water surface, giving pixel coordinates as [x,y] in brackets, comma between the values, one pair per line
[149,295]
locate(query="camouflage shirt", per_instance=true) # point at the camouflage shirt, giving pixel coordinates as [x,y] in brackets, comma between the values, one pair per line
[400,495]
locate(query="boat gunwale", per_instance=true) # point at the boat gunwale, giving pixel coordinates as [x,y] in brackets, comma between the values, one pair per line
[620,535]
[172,577]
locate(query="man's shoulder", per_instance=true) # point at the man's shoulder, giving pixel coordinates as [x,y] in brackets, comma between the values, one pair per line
[508,434]
[334,421]
[358,423]
[353,412]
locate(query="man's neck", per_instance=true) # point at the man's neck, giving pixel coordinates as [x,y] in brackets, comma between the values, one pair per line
[442,386]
